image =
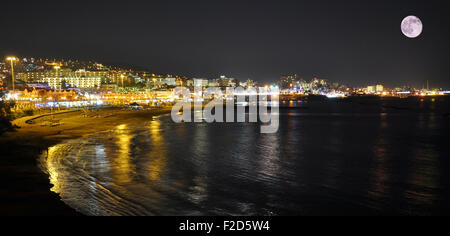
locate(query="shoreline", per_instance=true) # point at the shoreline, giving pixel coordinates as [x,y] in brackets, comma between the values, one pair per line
[25,188]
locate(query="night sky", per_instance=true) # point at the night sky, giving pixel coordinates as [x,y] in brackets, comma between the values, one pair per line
[352,42]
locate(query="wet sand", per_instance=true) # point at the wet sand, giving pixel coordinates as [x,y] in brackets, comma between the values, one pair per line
[25,189]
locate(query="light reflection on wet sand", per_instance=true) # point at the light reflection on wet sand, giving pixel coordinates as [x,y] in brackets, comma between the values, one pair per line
[123,170]
[157,155]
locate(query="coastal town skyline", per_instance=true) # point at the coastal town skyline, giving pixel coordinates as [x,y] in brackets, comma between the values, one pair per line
[241,39]
[30,65]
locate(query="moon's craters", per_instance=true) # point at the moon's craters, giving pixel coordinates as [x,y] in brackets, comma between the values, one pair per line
[412,27]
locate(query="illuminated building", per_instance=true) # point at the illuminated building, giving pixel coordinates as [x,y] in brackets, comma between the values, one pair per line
[227,82]
[2,66]
[169,81]
[181,81]
[76,82]
[379,88]
[214,83]
[201,82]
[288,81]
[33,77]
[375,89]
[116,77]
[371,89]
[84,73]
[189,83]
[324,82]
[250,84]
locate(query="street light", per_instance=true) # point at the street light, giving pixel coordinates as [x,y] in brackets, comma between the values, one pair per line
[12,59]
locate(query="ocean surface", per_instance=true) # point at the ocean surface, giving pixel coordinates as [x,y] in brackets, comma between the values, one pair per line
[358,156]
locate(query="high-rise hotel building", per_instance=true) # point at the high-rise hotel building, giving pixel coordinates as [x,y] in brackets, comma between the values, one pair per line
[33,77]
[74,82]
[78,79]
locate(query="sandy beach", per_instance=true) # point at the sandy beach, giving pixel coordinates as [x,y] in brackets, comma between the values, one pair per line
[25,189]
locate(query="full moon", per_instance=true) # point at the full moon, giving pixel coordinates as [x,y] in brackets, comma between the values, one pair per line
[412,27]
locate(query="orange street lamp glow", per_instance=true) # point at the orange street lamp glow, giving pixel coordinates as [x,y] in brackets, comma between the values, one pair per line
[12,59]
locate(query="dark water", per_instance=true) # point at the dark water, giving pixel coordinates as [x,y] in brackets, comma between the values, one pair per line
[364,156]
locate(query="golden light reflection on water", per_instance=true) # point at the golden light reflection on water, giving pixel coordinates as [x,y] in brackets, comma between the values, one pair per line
[121,166]
[379,173]
[158,159]
[53,170]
